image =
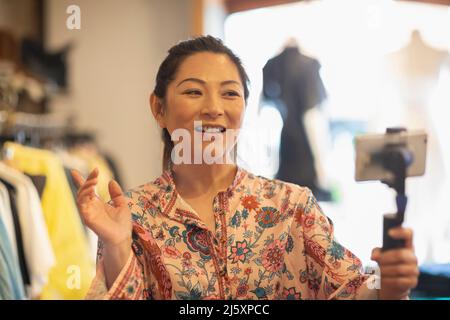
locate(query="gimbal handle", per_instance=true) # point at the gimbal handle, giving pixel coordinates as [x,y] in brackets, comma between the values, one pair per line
[396,159]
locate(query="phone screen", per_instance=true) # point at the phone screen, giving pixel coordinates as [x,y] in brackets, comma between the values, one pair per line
[367,146]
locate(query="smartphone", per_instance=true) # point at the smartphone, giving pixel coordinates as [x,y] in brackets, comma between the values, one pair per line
[368,166]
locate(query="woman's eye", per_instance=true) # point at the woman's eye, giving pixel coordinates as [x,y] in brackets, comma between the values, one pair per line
[232,94]
[193,92]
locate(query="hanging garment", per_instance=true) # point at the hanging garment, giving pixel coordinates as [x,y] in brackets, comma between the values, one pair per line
[18,232]
[292,81]
[11,283]
[271,241]
[71,162]
[5,281]
[16,270]
[6,216]
[39,183]
[39,257]
[6,290]
[70,277]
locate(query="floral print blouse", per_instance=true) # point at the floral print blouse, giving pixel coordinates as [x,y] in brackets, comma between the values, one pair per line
[271,241]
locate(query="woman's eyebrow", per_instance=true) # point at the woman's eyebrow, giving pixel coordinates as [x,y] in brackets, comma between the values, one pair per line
[230,82]
[191,79]
[204,82]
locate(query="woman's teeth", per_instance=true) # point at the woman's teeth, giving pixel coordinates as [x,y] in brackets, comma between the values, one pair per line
[210,129]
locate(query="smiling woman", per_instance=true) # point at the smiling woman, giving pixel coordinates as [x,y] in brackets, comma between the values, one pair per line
[214,230]
[202,55]
[216,103]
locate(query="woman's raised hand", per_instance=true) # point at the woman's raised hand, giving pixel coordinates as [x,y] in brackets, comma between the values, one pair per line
[111,223]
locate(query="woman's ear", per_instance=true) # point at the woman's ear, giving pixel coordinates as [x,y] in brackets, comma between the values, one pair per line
[157,108]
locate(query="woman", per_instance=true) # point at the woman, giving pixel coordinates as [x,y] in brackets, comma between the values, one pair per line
[207,230]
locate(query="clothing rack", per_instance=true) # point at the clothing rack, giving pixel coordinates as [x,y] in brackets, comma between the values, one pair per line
[32,129]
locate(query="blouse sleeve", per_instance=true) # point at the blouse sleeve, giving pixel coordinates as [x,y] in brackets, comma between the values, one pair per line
[144,276]
[331,271]
[129,284]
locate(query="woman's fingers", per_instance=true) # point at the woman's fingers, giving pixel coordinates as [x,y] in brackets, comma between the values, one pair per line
[401,284]
[397,255]
[83,185]
[93,174]
[77,178]
[87,186]
[100,217]
[394,256]
[391,271]
[86,194]
[376,252]
[403,234]
[398,267]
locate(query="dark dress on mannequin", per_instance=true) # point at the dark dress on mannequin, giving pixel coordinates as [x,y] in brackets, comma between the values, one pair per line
[292,82]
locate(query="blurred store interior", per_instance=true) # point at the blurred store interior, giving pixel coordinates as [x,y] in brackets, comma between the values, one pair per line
[79,97]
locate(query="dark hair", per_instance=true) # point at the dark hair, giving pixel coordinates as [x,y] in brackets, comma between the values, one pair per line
[168,68]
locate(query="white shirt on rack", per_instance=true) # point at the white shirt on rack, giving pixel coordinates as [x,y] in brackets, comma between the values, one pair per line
[37,247]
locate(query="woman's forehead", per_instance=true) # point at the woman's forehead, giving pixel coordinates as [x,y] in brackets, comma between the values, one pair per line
[208,66]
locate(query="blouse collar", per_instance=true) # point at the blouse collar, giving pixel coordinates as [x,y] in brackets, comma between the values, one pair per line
[175,208]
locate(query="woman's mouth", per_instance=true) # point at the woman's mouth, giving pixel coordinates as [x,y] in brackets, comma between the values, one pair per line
[210,129]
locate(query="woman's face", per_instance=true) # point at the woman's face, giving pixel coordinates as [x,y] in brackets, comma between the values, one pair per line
[207,88]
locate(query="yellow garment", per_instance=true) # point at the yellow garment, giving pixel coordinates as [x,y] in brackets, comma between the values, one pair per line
[71,276]
[90,155]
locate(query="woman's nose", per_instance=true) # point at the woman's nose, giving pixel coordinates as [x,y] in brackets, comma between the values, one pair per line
[213,107]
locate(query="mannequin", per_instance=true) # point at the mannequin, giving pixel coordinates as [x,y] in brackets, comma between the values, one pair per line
[291,80]
[411,77]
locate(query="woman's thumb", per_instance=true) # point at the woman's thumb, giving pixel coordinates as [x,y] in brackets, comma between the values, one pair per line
[375,254]
[116,194]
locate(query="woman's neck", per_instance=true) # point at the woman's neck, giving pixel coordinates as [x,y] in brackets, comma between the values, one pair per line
[196,180]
